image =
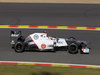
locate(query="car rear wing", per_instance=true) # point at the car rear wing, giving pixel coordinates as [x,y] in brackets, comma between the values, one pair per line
[14,35]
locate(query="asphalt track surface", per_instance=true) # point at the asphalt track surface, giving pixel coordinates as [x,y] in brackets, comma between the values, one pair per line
[50,14]
[93,37]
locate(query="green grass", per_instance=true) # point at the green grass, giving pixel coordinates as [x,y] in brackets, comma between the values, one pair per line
[45,70]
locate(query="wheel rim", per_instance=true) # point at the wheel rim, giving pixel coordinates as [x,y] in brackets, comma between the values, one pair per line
[19,47]
[73,48]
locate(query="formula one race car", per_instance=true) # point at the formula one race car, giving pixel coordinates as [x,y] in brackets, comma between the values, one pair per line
[42,42]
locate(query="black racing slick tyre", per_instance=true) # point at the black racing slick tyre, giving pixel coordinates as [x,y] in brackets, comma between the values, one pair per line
[73,48]
[19,47]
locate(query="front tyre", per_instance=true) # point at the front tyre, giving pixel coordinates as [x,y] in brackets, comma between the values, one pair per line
[73,48]
[19,47]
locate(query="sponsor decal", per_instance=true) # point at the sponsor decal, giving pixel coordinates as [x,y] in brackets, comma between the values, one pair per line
[35,36]
[43,45]
[60,42]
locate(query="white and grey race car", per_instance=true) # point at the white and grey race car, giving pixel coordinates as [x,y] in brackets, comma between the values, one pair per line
[42,42]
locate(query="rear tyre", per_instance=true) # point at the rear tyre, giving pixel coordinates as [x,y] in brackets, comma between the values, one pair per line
[19,47]
[73,48]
